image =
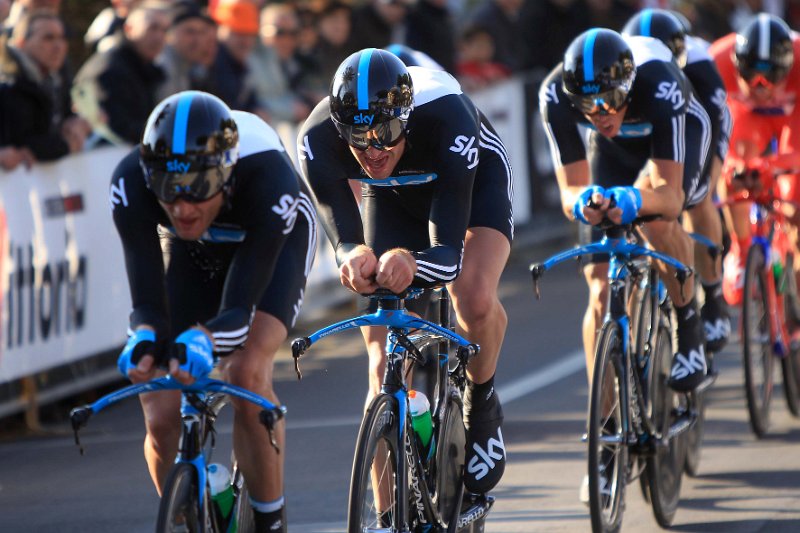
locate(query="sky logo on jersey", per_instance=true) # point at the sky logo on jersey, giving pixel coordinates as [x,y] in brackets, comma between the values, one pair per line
[361,118]
[178,166]
[671,93]
[463,146]
[590,88]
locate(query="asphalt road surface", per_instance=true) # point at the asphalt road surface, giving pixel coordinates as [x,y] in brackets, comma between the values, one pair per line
[744,484]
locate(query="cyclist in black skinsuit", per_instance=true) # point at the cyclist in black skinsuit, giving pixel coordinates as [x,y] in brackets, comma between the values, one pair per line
[219,237]
[641,115]
[436,208]
[698,66]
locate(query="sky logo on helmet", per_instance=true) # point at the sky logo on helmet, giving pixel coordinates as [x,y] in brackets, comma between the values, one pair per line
[361,118]
[590,88]
[178,166]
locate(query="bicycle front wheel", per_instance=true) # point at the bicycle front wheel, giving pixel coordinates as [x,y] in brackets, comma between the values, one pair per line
[791,362]
[374,488]
[608,451]
[242,512]
[665,467]
[179,510]
[757,348]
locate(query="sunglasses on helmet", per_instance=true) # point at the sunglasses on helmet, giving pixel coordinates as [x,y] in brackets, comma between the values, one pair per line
[382,136]
[605,103]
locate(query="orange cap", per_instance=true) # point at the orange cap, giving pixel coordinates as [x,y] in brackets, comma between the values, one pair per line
[240,16]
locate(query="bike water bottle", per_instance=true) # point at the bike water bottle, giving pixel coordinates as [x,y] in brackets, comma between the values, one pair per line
[219,480]
[421,419]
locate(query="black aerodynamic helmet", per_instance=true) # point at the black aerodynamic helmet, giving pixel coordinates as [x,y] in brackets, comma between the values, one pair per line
[662,25]
[371,98]
[189,147]
[764,50]
[598,72]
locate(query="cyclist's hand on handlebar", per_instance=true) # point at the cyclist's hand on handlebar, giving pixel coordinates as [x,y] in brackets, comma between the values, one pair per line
[192,355]
[396,269]
[627,202]
[591,205]
[136,360]
[358,270]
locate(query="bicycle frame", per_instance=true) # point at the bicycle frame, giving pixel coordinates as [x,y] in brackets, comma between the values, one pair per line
[767,224]
[400,348]
[199,410]
[622,251]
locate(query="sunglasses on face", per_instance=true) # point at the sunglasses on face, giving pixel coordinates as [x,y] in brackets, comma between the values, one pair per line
[605,103]
[382,136]
[195,187]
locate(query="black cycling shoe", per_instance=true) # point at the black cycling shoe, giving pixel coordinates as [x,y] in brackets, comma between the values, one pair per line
[485,457]
[689,365]
[716,323]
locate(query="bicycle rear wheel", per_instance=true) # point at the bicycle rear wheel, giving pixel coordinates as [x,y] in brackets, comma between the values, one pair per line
[179,510]
[608,450]
[665,467]
[450,460]
[374,490]
[756,342]
[791,362]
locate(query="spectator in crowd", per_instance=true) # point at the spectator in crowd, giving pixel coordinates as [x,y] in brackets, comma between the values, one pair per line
[5,8]
[283,80]
[379,23]
[116,89]
[333,45]
[19,8]
[429,29]
[309,34]
[106,28]
[237,32]
[35,105]
[476,69]
[501,19]
[610,13]
[190,51]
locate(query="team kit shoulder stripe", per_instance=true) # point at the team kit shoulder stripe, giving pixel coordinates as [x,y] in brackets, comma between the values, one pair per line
[255,135]
[679,138]
[491,141]
[305,206]
[696,109]
[555,151]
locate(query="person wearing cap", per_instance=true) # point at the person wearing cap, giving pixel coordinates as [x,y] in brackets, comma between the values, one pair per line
[237,33]
[190,50]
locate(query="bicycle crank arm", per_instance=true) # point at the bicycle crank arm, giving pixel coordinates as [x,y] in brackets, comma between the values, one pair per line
[478,509]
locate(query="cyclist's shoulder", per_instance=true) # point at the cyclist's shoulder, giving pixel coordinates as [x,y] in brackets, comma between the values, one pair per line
[431,85]
[255,135]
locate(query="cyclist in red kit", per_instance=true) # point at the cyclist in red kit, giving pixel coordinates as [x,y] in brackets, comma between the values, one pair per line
[762,78]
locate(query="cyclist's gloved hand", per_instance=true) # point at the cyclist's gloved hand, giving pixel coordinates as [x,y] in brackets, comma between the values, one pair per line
[584,199]
[194,351]
[628,200]
[142,342]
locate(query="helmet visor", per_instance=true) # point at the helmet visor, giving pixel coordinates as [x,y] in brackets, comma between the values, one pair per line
[196,186]
[382,136]
[605,103]
[762,73]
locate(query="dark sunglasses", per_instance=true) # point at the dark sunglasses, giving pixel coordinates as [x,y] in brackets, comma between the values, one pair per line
[382,136]
[194,187]
[606,103]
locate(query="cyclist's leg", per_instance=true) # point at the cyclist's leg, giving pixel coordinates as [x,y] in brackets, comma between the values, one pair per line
[252,368]
[189,268]
[480,315]
[596,274]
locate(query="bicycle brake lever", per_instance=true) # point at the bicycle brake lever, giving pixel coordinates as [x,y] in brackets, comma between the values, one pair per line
[299,347]
[537,270]
[79,417]
[268,418]
[683,275]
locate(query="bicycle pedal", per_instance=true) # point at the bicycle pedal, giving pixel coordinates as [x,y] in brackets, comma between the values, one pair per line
[472,519]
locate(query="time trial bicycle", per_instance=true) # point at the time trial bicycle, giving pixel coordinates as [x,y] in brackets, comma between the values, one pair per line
[770,303]
[397,484]
[635,419]
[186,502]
